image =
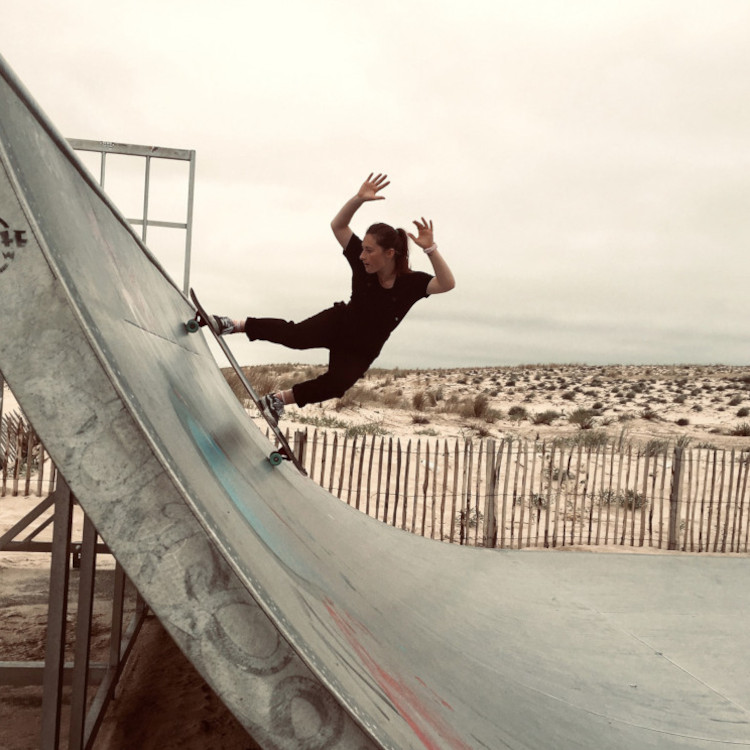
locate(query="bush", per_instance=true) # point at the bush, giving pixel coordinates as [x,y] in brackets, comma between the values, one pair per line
[629,498]
[392,399]
[742,430]
[655,447]
[419,400]
[517,413]
[545,417]
[472,408]
[369,428]
[584,418]
[480,406]
[743,412]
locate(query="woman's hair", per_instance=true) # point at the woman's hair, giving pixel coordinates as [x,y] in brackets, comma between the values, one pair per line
[388,237]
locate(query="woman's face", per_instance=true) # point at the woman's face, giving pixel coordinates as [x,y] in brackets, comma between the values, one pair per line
[374,257]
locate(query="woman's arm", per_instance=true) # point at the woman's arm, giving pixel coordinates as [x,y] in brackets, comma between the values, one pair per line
[368,192]
[443,280]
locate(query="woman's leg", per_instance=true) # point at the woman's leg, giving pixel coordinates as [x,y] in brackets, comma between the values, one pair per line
[344,370]
[313,333]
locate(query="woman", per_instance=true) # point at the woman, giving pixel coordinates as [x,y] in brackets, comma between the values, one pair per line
[384,289]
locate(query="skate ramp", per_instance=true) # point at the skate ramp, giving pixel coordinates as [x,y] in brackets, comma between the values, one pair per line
[318,626]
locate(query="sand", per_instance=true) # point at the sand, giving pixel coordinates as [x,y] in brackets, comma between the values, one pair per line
[704,404]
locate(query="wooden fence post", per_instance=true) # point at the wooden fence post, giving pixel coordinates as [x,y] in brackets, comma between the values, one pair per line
[674,498]
[490,497]
[300,446]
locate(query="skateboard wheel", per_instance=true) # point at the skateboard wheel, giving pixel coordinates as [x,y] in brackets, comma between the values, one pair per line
[275,458]
[192,325]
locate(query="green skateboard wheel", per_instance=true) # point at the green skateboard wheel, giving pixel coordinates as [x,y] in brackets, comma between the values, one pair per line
[275,458]
[192,325]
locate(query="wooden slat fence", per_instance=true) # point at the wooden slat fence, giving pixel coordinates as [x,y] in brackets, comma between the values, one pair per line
[508,493]
[515,493]
[25,467]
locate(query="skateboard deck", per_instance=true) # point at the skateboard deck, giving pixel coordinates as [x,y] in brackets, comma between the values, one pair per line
[284,452]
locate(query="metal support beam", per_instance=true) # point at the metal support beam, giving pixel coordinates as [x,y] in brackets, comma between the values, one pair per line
[54,659]
[83,634]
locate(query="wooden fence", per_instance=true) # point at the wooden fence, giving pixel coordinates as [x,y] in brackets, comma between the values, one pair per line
[25,467]
[509,493]
[514,493]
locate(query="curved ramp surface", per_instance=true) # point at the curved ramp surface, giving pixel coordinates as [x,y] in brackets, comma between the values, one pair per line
[318,626]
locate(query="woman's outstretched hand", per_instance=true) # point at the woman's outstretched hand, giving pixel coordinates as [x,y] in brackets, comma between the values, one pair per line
[372,186]
[425,237]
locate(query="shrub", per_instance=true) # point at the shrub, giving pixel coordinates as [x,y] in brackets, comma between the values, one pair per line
[538,500]
[480,406]
[545,417]
[392,399]
[584,418]
[682,422]
[517,413]
[586,439]
[743,412]
[324,423]
[655,447]
[630,498]
[472,517]
[419,400]
[369,428]
[741,430]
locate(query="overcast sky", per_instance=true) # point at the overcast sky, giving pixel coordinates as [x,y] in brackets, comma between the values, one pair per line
[586,162]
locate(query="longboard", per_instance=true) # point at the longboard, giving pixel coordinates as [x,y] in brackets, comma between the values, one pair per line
[284,452]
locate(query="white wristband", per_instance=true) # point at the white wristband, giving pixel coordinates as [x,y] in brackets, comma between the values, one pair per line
[431,249]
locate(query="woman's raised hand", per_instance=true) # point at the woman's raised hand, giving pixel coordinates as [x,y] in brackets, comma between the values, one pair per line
[425,237]
[372,186]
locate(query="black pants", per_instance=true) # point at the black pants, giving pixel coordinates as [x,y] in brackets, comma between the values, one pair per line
[326,330]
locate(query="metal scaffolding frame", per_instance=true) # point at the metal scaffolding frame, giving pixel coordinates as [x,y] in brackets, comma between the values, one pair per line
[148,153]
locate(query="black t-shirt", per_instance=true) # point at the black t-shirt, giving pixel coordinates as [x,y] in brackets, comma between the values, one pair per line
[373,312]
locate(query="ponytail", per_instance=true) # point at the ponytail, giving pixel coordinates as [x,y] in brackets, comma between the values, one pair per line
[388,237]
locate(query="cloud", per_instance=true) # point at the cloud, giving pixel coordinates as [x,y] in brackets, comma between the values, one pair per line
[586,164]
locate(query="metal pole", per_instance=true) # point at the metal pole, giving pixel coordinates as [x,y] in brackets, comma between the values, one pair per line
[145,199]
[81,662]
[54,659]
[189,223]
